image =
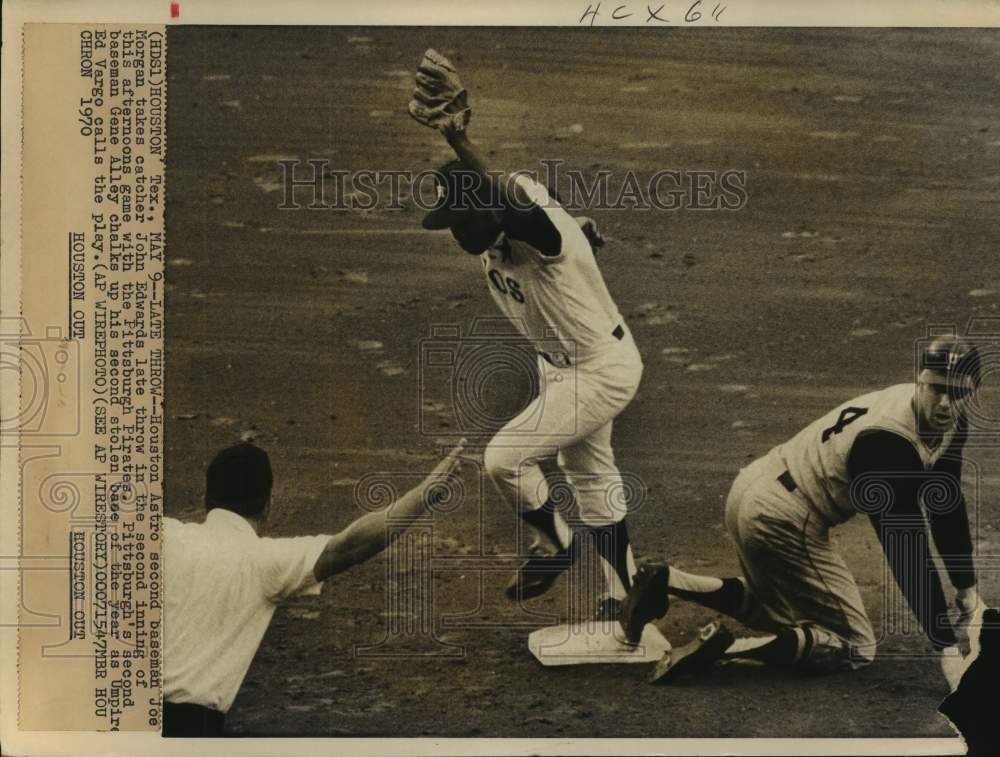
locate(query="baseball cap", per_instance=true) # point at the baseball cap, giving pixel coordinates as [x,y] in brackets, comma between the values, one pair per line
[239,478]
[459,188]
[951,361]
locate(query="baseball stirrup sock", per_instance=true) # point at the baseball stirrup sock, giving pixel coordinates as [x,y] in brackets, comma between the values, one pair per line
[725,595]
[692,582]
[547,520]
[787,647]
[612,545]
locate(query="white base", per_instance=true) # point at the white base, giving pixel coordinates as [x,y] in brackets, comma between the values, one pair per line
[594,642]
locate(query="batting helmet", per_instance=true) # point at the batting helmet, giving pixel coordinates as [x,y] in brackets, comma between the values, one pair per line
[952,361]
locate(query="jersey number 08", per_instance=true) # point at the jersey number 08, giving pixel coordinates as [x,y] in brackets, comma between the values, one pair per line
[507,286]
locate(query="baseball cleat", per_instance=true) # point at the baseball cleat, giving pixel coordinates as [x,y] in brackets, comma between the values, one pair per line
[712,642]
[608,609]
[536,575]
[550,536]
[646,601]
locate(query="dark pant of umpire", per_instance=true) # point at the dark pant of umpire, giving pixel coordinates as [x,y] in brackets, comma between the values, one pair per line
[192,721]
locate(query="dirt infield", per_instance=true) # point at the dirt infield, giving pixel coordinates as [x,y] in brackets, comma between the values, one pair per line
[872,174]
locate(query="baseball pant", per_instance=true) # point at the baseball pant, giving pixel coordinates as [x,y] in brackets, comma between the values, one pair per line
[570,419]
[794,576]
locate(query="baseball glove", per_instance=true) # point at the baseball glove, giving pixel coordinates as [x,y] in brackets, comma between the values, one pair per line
[439,100]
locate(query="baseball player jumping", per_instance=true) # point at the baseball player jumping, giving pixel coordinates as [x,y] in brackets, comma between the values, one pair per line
[542,273]
[893,455]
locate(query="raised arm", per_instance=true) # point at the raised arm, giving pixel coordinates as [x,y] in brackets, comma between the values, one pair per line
[521,210]
[522,217]
[440,102]
[512,196]
[371,533]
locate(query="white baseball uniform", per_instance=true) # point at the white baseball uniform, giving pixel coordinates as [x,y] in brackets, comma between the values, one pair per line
[589,369]
[554,299]
[817,456]
[864,455]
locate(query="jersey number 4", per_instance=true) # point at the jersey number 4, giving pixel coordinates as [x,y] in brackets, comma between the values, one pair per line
[507,286]
[847,416]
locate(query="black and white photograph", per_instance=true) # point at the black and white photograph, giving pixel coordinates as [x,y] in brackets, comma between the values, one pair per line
[578,383]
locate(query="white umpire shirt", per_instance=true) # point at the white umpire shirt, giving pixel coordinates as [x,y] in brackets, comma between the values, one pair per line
[222,584]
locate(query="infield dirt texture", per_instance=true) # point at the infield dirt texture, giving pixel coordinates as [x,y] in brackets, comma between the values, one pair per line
[872,173]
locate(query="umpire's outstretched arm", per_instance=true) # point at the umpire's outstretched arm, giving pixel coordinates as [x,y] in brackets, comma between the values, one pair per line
[370,534]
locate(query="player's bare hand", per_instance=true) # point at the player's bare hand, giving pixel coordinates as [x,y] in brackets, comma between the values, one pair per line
[952,665]
[443,483]
[589,228]
[453,129]
[970,614]
[968,601]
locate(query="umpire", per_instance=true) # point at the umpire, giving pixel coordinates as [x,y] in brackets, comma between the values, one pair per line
[223,580]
